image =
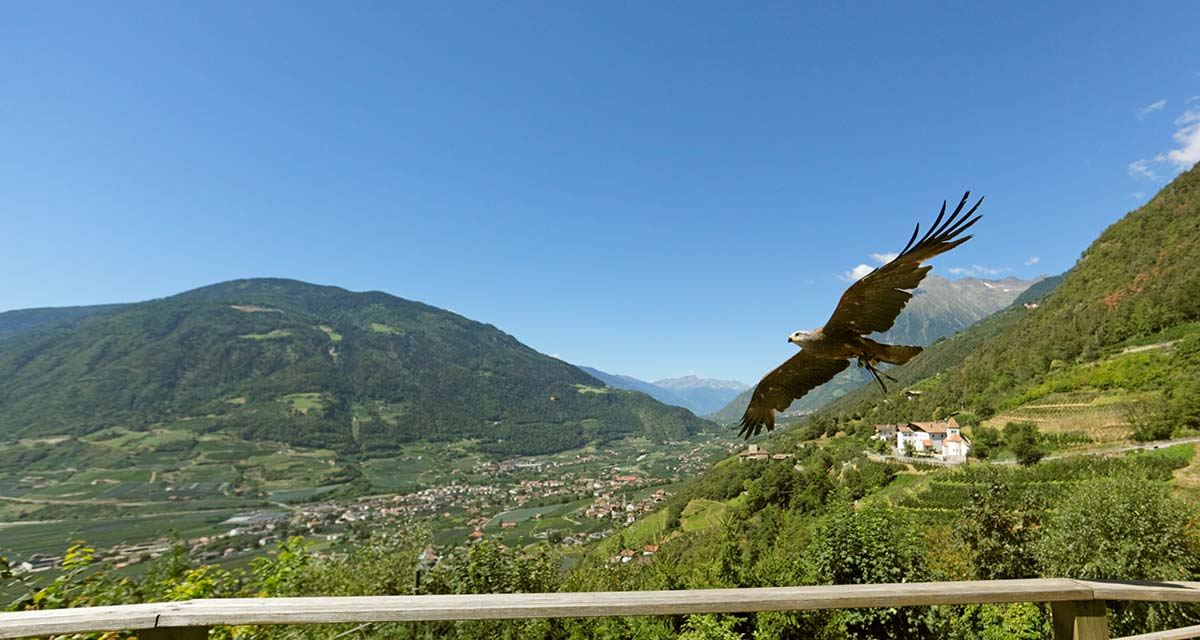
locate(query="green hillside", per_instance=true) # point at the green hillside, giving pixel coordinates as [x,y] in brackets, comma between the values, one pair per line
[25,321]
[1112,353]
[823,512]
[308,365]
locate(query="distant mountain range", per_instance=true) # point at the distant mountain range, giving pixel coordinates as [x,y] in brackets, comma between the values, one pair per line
[287,361]
[939,308]
[703,395]
[700,395]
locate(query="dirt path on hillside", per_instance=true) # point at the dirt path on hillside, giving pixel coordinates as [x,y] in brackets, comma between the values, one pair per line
[1147,347]
[1144,446]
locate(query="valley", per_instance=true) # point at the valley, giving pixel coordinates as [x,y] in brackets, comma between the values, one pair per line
[274,438]
[129,489]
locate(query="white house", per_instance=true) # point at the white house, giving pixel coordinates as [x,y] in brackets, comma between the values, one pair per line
[753,452]
[886,431]
[943,440]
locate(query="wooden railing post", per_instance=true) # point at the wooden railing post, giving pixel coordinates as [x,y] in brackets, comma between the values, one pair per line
[173,633]
[1080,620]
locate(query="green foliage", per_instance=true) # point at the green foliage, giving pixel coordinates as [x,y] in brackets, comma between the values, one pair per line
[79,584]
[864,546]
[284,573]
[998,532]
[1020,621]
[24,322]
[1150,418]
[1121,528]
[710,627]
[1023,439]
[259,359]
[987,440]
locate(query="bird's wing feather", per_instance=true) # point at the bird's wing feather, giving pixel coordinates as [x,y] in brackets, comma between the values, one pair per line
[872,303]
[787,382]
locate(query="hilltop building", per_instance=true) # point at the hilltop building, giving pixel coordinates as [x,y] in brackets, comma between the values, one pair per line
[941,440]
[755,452]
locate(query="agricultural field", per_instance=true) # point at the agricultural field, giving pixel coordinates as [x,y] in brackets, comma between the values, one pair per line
[1098,415]
[942,496]
[126,486]
[24,539]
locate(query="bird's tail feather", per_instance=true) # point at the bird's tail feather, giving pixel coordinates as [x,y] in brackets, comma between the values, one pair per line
[895,353]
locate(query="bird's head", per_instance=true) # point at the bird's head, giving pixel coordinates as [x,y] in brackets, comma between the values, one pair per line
[799,337]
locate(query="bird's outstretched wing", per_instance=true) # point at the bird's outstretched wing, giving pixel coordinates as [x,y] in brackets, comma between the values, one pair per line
[872,303]
[792,379]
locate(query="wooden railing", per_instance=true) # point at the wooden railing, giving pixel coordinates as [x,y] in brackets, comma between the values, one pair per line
[1078,606]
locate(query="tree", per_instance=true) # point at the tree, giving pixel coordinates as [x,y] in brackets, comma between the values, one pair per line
[1125,528]
[999,531]
[1025,442]
[1150,418]
[874,544]
[707,626]
[987,436]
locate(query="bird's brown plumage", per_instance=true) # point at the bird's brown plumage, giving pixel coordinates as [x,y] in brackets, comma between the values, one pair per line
[868,306]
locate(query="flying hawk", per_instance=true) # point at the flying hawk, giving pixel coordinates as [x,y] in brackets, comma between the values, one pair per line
[868,306]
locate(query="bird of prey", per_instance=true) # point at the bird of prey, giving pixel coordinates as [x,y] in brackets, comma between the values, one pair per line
[870,305]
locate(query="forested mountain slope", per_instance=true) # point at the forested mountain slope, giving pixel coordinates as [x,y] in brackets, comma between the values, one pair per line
[25,321]
[312,365]
[1123,323]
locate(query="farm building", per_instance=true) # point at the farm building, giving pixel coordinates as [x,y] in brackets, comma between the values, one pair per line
[940,439]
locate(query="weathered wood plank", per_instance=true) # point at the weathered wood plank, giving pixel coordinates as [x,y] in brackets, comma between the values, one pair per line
[20,624]
[1150,591]
[1091,620]
[557,605]
[496,606]
[1174,634]
[1063,618]
[1080,620]
[493,606]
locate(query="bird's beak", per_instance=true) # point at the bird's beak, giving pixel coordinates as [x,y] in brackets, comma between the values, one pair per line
[789,339]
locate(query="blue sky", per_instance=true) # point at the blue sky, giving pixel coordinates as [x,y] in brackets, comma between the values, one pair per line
[652,189]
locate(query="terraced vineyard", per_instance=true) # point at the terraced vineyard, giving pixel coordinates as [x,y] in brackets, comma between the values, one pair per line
[1098,415]
[944,495]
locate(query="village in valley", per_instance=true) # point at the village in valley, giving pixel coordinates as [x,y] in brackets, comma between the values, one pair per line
[567,499]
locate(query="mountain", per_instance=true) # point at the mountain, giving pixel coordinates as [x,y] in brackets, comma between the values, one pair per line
[948,352]
[630,383]
[1124,323]
[1039,290]
[282,360]
[939,308]
[942,307]
[699,395]
[24,321]
[702,395]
